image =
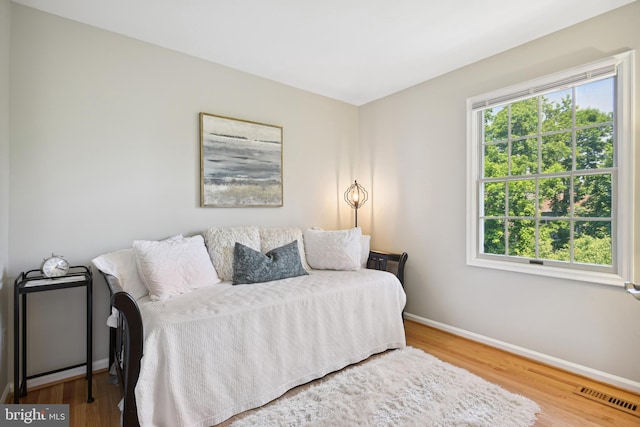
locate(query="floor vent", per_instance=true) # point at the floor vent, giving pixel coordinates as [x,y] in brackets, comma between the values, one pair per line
[629,407]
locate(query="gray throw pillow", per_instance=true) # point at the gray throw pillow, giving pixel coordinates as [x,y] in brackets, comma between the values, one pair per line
[251,266]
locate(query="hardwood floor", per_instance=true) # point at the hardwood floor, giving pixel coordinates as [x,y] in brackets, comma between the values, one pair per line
[551,388]
[102,412]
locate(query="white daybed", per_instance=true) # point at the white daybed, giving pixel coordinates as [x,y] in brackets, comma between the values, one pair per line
[199,357]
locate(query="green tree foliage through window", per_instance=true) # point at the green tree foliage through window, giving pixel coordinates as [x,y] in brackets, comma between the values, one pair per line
[547,175]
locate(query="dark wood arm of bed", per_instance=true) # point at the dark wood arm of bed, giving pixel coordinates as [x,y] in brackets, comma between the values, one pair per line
[125,347]
[391,262]
[132,347]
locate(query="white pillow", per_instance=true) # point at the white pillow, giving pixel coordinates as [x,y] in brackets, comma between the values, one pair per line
[272,238]
[365,244]
[333,250]
[173,267]
[221,242]
[122,265]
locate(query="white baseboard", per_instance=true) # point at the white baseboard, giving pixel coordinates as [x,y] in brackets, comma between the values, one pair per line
[585,371]
[5,393]
[58,376]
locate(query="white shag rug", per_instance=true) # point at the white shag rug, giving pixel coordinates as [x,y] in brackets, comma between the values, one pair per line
[405,387]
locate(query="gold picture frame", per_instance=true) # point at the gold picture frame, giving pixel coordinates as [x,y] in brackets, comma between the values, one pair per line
[240,163]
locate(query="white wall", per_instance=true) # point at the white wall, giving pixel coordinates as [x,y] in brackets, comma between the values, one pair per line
[105,150]
[417,141]
[5,32]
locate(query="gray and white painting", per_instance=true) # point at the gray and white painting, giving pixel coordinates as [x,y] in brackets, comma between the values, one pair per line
[241,163]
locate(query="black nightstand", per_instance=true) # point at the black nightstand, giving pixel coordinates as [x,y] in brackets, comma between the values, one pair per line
[33,281]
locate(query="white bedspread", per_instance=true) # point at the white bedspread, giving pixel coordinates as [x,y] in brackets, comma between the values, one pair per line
[218,351]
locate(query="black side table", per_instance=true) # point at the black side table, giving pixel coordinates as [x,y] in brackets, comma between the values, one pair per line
[33,281]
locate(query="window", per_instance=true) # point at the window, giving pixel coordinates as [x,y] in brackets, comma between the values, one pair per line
[551,175]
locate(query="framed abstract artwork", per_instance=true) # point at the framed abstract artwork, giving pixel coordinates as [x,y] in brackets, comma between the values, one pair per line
[240,163]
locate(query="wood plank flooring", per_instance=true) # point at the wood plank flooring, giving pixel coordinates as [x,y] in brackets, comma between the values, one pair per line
[102,412]
[551,388]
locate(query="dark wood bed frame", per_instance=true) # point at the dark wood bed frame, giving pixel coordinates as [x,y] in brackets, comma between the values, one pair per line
[125,341]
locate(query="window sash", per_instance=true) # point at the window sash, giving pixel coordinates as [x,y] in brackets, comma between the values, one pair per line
[560,81]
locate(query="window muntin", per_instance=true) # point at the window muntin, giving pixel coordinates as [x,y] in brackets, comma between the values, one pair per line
[551,175]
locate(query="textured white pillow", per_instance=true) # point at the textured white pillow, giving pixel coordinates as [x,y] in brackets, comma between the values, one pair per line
[333,250]
[173,267]
[365,244]
[122,265]
[221,242]
[272,238]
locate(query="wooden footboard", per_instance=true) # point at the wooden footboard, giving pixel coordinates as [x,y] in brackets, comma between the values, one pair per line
[388,262]
[126,341]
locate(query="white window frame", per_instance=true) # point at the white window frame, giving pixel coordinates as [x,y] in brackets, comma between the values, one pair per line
[621,66]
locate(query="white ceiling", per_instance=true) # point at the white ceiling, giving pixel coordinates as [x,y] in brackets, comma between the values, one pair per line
[351,50]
